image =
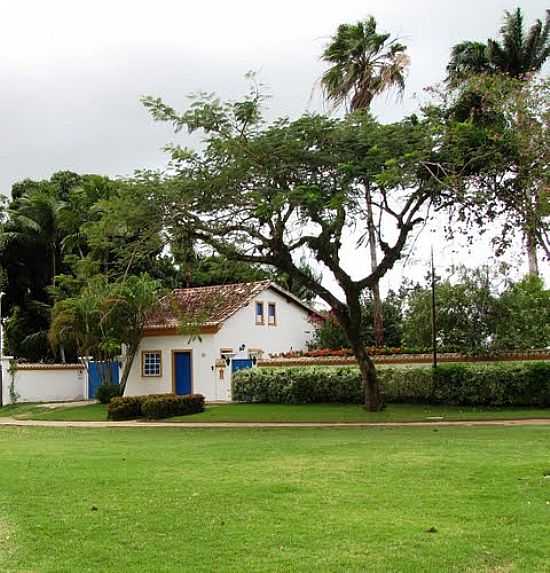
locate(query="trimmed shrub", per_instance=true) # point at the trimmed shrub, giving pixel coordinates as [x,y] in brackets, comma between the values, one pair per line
[297,385]
[129,407]
[124,408]
[521,384]
[169,406]
[106,392]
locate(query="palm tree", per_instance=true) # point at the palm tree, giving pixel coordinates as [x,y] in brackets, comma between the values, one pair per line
[363,65]
[35,222]
[518,55]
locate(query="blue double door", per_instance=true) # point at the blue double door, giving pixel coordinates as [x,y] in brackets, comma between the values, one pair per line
[101,373]
[182,373]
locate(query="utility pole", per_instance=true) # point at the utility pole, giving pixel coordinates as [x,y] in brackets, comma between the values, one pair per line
[434,326]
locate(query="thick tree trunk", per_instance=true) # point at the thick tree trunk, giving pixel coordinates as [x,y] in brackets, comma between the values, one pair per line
[377,310]
[371,388]
[532,259]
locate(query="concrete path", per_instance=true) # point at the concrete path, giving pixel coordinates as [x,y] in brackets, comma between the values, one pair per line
[137,424]
[75,404]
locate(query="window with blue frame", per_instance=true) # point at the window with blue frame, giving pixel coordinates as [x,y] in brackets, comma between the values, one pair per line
[260,313]
[271,314]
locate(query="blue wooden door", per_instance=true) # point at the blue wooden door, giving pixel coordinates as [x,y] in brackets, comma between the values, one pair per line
[182,366]
[240,363]
[99,373]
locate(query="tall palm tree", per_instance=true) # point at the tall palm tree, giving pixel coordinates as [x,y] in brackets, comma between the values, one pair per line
[519,55]
[364,64]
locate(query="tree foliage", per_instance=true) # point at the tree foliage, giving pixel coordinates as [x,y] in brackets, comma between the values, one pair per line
[40,234]
[499,118]
[104,317]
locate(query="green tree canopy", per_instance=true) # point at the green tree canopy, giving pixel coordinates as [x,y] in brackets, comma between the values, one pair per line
[266,194]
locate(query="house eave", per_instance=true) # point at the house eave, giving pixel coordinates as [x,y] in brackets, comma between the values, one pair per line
[175,331]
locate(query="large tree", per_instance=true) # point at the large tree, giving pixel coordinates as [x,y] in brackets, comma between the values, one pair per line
[364,64]
[267,194]
[497,152]
[518,55]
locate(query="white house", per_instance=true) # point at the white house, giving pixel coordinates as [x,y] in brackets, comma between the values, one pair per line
[230,327]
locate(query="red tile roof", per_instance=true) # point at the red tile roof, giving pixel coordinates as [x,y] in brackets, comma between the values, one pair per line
[210,306]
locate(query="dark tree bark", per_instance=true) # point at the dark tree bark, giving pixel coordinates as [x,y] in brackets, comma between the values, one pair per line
[531,242]
[369,378]
[351,320]
[378,312]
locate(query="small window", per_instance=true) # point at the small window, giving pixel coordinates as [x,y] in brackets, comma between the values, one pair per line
[271,314]
[151,363]
[259,313]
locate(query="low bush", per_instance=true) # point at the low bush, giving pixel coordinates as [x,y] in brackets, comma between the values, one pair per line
[168,406]
[124,408]
[129,407]
[106,392]
[508,384]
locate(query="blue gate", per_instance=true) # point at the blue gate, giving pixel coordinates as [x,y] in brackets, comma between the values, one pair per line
[100,372]
[240,363]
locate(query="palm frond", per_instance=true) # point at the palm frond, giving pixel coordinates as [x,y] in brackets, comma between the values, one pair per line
[364,63]
[467,58]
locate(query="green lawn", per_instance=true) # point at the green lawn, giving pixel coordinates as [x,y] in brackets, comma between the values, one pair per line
[353,413]
[334,500]
[288,413]
[23,410]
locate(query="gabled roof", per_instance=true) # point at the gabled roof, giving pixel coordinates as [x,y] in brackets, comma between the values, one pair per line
[211,306]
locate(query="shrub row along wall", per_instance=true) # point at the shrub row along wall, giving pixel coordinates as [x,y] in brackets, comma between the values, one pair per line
[525,384]
[336,360]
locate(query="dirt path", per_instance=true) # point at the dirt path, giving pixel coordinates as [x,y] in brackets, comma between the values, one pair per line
[136,424]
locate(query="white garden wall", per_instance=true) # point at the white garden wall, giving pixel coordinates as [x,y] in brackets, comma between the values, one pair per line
[44,382]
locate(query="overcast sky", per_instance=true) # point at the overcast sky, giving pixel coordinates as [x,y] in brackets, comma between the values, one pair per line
[72,72]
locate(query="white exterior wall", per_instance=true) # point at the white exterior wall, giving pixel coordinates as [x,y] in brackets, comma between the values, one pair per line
[202,358]
[292,332]
[40,383]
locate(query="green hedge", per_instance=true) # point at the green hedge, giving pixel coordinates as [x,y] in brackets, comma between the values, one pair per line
[169,406]
[508,384]
[154,406]
[129,407]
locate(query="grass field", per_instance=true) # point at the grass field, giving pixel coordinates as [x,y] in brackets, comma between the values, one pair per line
[168,500]
[290,413]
